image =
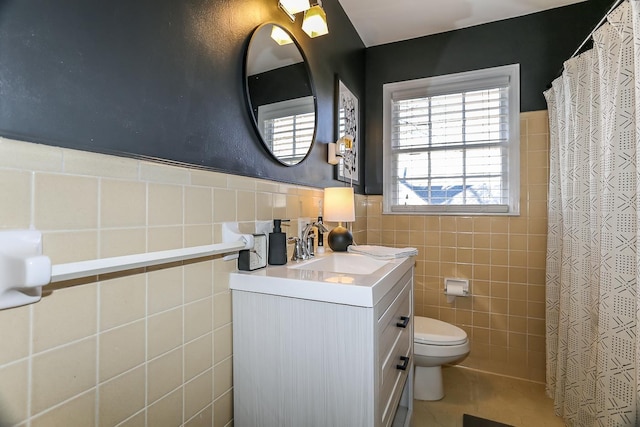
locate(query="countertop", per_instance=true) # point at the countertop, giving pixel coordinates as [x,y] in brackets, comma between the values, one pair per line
[364,290]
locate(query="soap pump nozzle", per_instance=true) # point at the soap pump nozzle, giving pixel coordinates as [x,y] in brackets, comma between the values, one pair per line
[277,225]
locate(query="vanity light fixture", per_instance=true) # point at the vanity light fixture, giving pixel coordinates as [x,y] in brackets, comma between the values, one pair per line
[291,7]
[315,21]
[340,148]
[280,36]
[339,207]
[333,153]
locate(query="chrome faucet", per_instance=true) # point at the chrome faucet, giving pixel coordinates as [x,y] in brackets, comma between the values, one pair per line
[307,239]
[298,249]
[303,245]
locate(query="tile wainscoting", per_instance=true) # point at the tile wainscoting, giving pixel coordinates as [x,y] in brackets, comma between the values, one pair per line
[145,347]
[153,347]
[503,258]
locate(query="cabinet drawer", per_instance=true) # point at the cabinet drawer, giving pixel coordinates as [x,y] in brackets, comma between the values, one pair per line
[399,312]
[388,299]
[394,352]
[394,378]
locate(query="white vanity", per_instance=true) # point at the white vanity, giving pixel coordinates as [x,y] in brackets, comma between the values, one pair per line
[326,342]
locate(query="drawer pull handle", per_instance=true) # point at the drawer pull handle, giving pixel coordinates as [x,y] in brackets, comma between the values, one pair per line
[405,363]
[404,323]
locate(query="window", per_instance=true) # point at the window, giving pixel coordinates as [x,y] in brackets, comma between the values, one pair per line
[288,127]
[451,143]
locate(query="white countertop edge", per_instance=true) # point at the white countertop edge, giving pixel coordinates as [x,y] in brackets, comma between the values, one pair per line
[315,291]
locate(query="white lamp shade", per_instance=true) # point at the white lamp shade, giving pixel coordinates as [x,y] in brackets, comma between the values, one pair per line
[295,6]
[339,205]
[315,22]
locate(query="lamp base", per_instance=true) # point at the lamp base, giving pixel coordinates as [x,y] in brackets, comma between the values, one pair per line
[339,239]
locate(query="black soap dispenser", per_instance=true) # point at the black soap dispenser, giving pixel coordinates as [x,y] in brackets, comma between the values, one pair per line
[277,244]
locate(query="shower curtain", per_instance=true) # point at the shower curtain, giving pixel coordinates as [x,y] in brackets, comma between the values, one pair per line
[592,249]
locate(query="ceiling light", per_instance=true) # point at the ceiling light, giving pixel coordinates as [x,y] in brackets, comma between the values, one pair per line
[315,21]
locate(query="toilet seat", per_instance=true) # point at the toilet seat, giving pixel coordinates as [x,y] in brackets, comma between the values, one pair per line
[436,332]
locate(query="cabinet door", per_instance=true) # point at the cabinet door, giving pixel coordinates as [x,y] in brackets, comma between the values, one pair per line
[302,363]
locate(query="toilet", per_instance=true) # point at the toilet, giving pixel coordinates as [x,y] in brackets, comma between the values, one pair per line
[435,343]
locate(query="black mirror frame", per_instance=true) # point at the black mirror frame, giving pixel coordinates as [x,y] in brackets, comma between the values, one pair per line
[250,106]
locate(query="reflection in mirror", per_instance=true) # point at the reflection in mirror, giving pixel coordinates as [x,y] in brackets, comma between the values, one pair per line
[280,94]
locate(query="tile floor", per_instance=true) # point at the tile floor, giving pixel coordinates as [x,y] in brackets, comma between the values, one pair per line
[506,400]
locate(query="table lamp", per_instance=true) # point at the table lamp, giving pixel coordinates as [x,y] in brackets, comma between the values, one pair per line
[339,207]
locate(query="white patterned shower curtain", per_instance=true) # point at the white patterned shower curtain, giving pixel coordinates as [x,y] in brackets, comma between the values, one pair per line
[592,250]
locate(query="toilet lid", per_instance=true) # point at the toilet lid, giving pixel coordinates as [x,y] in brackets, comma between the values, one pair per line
[436,332]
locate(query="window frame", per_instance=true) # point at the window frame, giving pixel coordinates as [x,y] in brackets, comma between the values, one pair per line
[487,78]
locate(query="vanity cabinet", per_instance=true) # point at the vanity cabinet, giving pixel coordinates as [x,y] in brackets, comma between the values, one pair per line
[305,362]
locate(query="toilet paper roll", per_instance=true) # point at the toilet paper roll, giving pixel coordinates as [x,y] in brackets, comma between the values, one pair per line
[455,289]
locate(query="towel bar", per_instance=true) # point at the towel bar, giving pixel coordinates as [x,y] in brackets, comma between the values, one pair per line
[24,270]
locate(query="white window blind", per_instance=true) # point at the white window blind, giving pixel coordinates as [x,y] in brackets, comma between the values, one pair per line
[451,143]
[288,128]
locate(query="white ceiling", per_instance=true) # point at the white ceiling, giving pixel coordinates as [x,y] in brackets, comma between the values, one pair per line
[386,21]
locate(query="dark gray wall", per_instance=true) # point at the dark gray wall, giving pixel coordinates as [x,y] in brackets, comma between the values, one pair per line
[540,43]
[159,78]
[163,79]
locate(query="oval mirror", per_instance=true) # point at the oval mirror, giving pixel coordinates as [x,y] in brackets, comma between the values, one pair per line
[280,93]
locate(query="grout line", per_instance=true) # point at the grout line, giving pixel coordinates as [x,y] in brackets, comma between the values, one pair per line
[63,345]
[30,367]
[182,270]
[64,402]
[146,305]
[32,210]
[98,306]
[132,416]
[146,345]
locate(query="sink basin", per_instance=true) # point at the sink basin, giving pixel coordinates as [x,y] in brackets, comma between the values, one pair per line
[343,263]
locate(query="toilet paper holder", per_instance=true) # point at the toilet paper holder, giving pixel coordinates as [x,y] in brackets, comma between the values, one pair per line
[455,288]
